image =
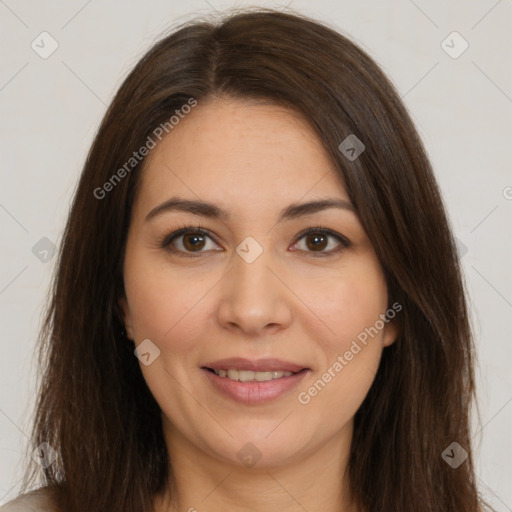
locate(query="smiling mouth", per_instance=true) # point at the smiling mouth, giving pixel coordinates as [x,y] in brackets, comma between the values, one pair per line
[254,387]
[248,376]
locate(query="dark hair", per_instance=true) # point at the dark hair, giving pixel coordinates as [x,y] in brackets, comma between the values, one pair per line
[94,407]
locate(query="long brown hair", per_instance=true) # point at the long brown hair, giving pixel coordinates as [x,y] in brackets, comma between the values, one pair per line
[94,407]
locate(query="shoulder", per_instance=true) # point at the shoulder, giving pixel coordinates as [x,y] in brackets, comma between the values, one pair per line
[33,501]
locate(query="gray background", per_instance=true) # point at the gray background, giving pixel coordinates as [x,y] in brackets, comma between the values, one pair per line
[50,109]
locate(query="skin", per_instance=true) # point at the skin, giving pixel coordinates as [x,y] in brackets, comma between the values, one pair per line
[252,159]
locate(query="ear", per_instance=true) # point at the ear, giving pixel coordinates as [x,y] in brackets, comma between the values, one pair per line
[390,333]
[127,318]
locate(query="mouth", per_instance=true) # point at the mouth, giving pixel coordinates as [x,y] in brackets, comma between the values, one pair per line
[253,382]
[252,376]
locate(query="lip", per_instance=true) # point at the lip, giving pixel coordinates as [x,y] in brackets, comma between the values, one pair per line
[254,392]
[260,365]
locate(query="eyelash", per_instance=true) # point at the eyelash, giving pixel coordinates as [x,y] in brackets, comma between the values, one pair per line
[167,240]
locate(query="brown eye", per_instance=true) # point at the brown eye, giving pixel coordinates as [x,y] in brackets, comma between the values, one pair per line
[188,241]
[316,241]
[193,241]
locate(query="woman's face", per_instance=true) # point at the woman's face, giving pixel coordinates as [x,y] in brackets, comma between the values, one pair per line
[252,286]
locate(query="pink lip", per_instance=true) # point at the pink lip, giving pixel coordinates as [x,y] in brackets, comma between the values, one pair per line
[253,392]
[261,365]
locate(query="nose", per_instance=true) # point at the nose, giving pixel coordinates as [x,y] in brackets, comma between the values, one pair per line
[255,299]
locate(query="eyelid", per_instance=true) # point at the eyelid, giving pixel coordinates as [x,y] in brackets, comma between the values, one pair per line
[185,229]
[344,242]
[167,240]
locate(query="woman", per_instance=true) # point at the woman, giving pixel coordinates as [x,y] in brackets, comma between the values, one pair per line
[258,303]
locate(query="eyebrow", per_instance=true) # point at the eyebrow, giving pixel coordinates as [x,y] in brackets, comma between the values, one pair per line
[210,210]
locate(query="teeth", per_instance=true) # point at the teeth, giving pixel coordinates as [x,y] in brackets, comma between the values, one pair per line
[245,376]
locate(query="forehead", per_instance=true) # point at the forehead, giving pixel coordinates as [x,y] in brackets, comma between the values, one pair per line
[233,150]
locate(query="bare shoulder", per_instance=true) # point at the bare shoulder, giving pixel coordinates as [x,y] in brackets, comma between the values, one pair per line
[34,501]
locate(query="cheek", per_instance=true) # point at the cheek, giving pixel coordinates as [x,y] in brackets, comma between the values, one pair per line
[350,304]
[165,306]
[353,347]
